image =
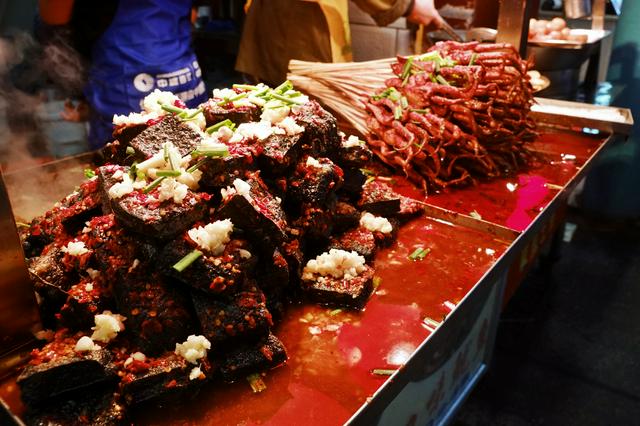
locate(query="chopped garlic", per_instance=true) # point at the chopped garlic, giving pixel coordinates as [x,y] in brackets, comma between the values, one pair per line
[290,126]
[275,115]
[88,287]
[93,274]
[375,223]
[75,248]
[337,263]
[193,349]
[312,162]
[85,344]
[224,93]
[120,189]
[259,131]
[240,187]
[171,189]
[153,101]
[135,118]
[351,142]
[244,254]
[136,356]
[195,373]
[213,236]
[108,325]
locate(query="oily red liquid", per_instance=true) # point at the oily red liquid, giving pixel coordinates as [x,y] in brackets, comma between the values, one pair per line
[332,354]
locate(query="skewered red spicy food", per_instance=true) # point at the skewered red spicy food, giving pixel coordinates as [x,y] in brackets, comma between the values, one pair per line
[170,267]
[457,113]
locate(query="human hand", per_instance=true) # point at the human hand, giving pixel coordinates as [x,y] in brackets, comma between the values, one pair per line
[424,12]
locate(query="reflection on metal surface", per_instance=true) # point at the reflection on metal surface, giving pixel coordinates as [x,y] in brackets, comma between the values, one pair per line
[512,25]
[18,309]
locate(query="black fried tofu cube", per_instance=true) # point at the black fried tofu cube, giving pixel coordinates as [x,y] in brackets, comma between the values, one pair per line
[279,153]
[114,248]
[158,312]
[58,369]
[385,239]
[314,181]
[85,300]
[145,214]
[249,359]
[66,219]
[222,273]
[165,378]
[316,223]
[320,136]
[292,252]
[257,212]
[221,171]
[378,198]
[215,113]
[170,129]
[354,181]
[345,216]
[236,318]
[353,153]
[360,240]
[274,272]
[92,406]
[347,292]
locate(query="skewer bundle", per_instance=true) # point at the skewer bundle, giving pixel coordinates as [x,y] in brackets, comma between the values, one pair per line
[450,116]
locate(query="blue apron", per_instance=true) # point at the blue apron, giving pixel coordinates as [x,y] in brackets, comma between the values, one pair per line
[146,47]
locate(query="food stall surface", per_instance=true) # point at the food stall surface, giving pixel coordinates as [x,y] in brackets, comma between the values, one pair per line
[340,360]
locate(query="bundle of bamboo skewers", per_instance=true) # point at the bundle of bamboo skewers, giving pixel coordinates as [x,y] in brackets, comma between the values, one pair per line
[458,113]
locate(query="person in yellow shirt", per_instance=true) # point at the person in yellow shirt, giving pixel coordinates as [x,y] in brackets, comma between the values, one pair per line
[276,31]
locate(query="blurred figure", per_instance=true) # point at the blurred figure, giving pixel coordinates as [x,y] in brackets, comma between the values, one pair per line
[135,47]
[276,31]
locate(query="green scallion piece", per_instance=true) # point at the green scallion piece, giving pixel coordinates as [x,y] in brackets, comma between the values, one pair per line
[406,69]
[194,114]
[245,86]
[22,225]
[130,150]
[133,170]
[153,185]
[257,384]
[286,99]
[335,312]
[233,98]
[186,261]
[89,173]
[472,61]
[433,78]
[404,103]
[397,112]
[171,108]
[383,371]
[419,111]
[196,166]
[367,172]
[376,282]
[211,152]
[168,173]
[224,123]
[419,253]
[442,80]
[282,88]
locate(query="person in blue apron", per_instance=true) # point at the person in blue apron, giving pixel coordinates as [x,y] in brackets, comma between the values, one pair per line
[146,46]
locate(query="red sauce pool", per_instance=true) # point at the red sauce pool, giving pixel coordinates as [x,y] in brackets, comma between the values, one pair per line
[332,354]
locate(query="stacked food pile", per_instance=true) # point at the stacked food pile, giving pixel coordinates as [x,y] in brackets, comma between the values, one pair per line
[555,29]
[171,265]
[457,113]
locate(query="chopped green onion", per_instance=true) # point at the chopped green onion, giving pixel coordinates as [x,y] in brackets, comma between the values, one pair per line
[168,173]
[193,114]
[367,172]
[286,99]
[133,170]
[186,261]
[257,384]
[22,225]
[153,185]
[335,312]
[419,111]
[404,102]
[442,80]
[376,283]
[383,371]
[397,112]
[282,88]
[171,108]
[196,166]
[472,61]
[369,179]
[419,253]
[474,214]
[406,69]
[88,173]
[224,123]
[165,150]
[210,152]
[130,150]
[433,78]
[245,86]
[233,98]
